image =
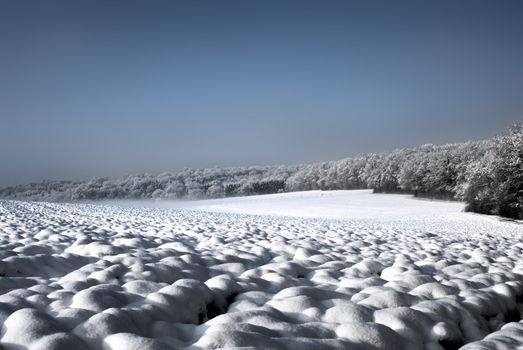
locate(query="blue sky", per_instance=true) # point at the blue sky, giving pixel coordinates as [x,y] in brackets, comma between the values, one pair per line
[108,88]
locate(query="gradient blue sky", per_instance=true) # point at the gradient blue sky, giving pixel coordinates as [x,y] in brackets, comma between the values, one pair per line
[108,88]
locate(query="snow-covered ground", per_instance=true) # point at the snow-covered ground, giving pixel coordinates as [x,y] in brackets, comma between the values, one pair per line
[319,270]
[358,206]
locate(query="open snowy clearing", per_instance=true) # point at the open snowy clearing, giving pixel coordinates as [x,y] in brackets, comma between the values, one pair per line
[361,206]
[318,204]
[353,270]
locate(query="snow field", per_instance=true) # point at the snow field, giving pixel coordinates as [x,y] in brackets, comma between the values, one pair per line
[79,276]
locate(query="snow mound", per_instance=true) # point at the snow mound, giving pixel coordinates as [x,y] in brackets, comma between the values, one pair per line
[79,276]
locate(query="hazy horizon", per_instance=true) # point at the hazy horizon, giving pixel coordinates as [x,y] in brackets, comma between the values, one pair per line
[113,88]
[174,170]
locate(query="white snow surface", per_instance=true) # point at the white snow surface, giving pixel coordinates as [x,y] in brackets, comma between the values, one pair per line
[318,270]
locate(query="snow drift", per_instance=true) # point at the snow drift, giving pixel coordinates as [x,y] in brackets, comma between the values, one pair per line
[98,276]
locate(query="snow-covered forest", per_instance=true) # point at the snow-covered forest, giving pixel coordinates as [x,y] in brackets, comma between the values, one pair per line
[188,183]
[487,174]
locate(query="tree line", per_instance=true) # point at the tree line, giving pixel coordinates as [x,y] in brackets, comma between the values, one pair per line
[487,175]
[187,184]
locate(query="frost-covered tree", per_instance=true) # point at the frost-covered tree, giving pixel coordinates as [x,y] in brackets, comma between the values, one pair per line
[495,182]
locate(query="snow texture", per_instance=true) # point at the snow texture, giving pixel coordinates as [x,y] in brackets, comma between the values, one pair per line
[351,270]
